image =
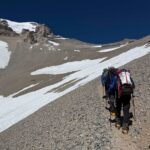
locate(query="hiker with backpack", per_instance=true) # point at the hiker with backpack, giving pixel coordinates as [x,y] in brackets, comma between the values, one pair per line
[109,83]
[118,88]
[125,87]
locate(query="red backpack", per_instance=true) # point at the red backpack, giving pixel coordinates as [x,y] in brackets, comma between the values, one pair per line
[125,84]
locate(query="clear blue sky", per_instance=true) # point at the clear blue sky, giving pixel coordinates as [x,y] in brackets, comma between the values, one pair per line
[95,21]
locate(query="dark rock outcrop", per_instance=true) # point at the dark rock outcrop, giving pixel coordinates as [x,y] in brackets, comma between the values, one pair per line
[43,31]
[28,36]
[5,30]
[41,34]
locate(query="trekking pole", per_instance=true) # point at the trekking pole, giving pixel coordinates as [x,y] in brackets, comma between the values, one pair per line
[106,101]
[105,97]
[133,104]
[110,120]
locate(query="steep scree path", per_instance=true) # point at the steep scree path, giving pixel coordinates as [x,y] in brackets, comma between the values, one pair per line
[79,121]
[139,134]
[74,122]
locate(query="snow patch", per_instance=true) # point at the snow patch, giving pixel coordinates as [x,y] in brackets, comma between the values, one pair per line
[51,48]
[97,46]
[66,58]
[67,67]
[76,50]
[54,43]
[112,49]
[4,54]
[26,88]
[36,44]
[61,38]
[31,47]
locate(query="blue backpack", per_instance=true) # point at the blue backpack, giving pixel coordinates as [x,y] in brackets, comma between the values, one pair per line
[108,80]
[105,78]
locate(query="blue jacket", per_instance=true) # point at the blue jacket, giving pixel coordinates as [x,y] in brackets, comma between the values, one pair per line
[105,80]
[112,86]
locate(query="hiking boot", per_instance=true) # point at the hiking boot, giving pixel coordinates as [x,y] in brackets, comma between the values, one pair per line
[113,114]
[125,128]
[112,108]
[118,123]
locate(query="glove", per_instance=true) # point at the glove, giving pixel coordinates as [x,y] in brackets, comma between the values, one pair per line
[104,97]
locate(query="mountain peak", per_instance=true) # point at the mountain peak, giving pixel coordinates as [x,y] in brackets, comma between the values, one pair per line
[32,32]
[19,26]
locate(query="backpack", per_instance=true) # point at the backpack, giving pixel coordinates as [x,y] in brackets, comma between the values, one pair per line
[107,76]
[125,83]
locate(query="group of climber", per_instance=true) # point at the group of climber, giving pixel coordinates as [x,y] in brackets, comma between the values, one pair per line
[118,89]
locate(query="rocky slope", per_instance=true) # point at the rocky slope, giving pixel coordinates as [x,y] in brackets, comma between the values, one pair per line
[77,120]
[139,135]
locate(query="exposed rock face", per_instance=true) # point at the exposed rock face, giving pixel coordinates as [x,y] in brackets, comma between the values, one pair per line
[41,34]
[28,36]
[5,30]
[43,31]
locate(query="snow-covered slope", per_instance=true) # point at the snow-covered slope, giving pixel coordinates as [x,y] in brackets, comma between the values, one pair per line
[14,109]
[19,26]
[4,54]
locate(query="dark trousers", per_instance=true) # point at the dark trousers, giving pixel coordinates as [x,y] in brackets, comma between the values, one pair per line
[123,101]
[112,101]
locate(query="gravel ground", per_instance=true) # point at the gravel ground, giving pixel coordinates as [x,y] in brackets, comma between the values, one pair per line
[73,122]
[139,135]
[79,121]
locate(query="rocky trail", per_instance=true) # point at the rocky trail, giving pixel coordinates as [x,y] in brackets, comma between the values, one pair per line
[139,134]
[79,120]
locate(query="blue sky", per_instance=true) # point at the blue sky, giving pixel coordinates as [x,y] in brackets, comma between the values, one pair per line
[94,21]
